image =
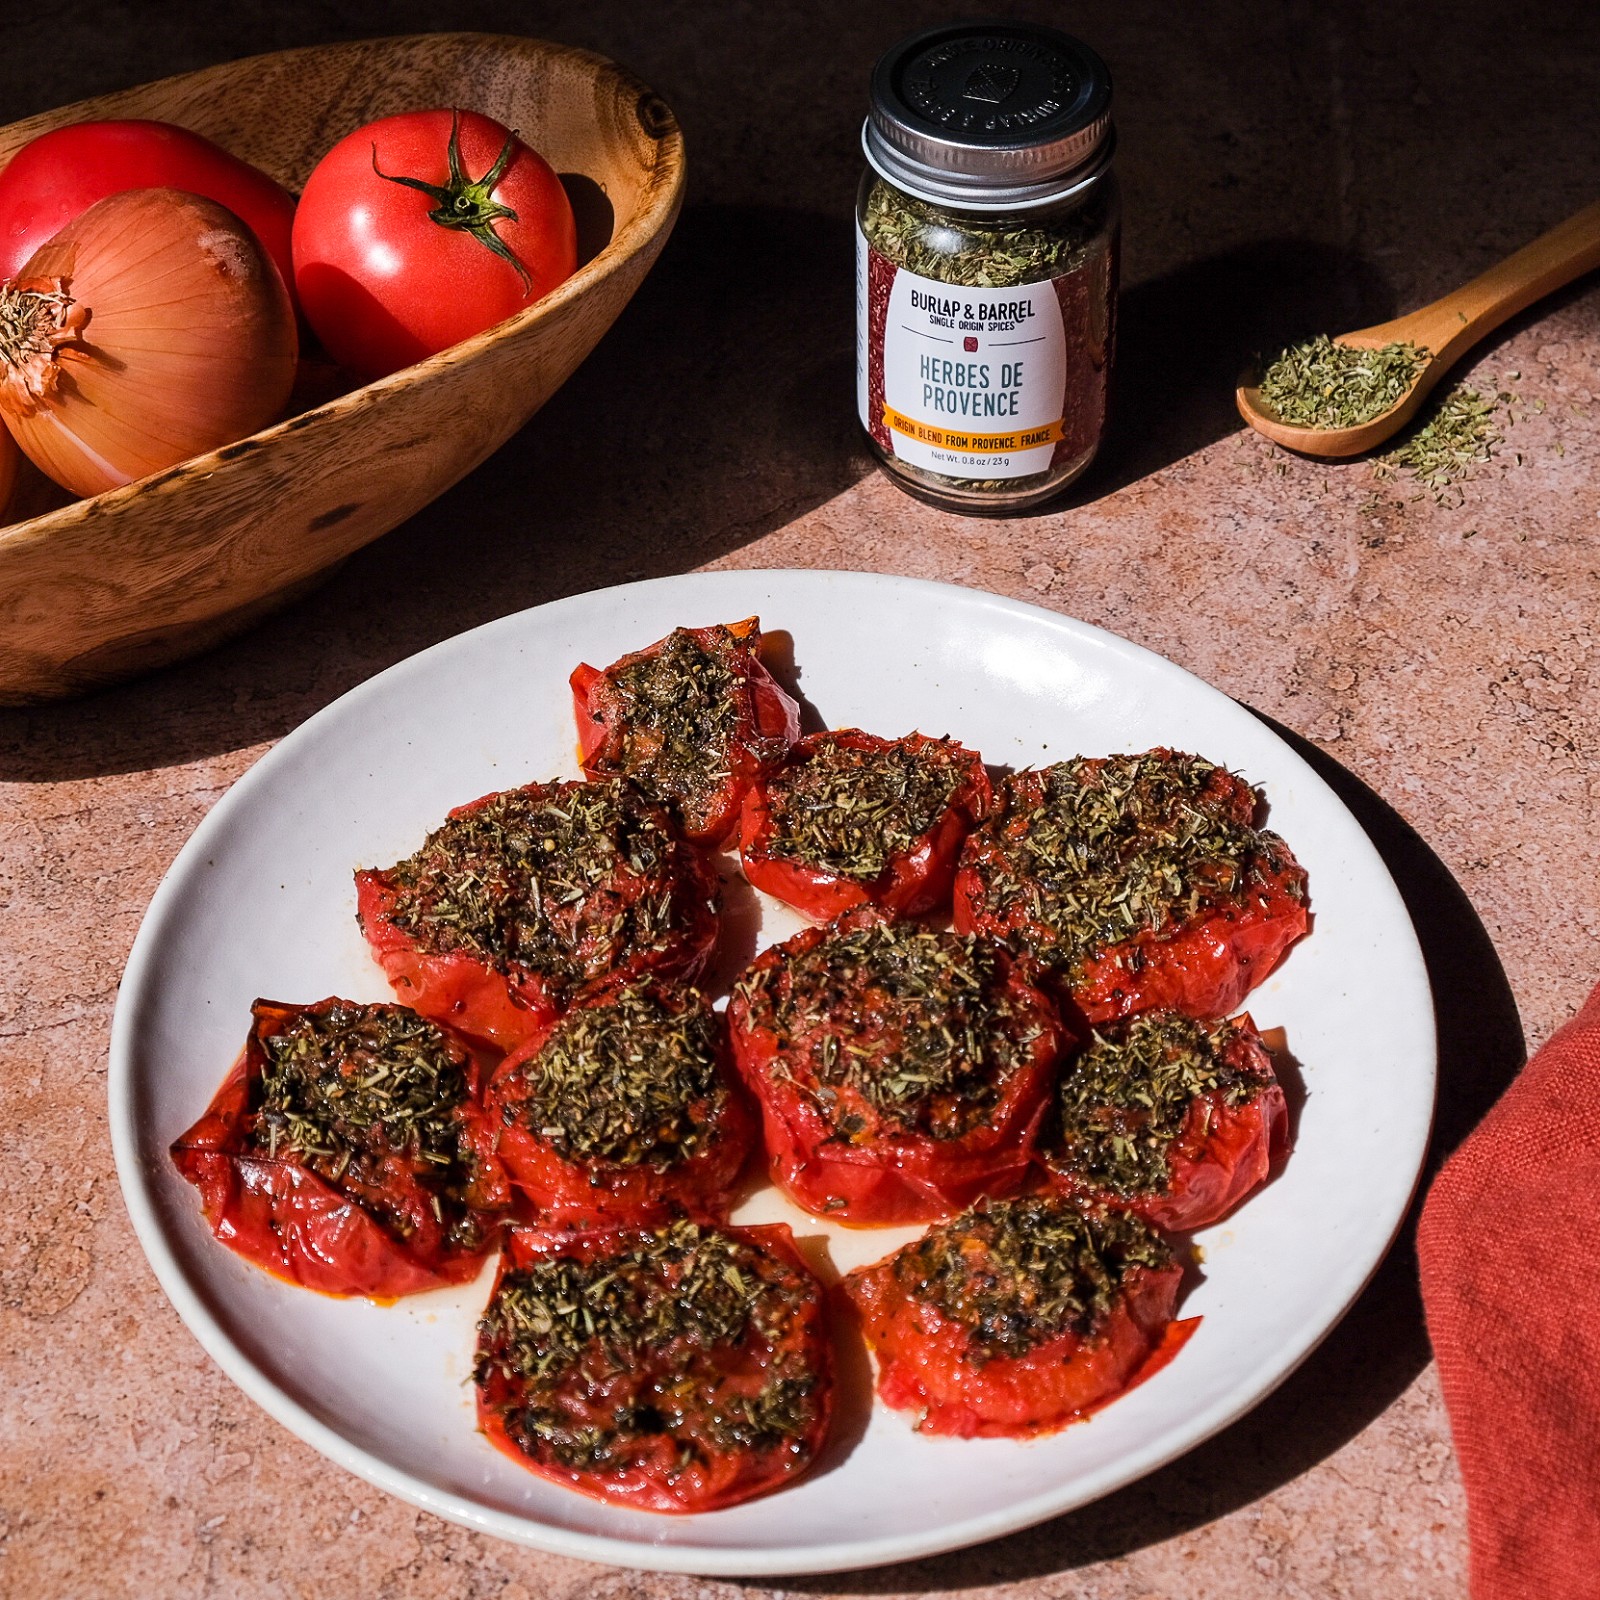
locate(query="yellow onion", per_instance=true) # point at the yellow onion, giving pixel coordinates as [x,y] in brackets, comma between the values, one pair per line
[8,474]
[151,329]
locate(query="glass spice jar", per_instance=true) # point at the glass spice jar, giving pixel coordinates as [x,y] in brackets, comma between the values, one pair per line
[986,264]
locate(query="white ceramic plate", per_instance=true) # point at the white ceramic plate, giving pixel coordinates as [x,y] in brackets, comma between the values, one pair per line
[260,902]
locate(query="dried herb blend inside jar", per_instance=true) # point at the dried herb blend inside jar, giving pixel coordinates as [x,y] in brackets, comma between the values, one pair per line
[986,264]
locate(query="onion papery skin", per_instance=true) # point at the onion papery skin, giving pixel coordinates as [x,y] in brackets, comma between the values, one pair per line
[176,336]
[9,460]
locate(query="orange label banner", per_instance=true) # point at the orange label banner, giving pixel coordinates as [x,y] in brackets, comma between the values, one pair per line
[974,443]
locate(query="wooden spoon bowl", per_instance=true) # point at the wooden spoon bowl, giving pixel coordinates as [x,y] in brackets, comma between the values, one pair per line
[103,588]
[1447,329]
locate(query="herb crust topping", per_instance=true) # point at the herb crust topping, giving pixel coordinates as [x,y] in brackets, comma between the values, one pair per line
[679,710]
[1019,1273]
[654,1324]
[1093,852]
[630,1081]
[851,811]
[343,1088]
[916,1023]
[556,878]
[1128,1097]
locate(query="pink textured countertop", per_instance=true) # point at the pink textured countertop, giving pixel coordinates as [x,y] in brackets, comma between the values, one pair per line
[1304,168]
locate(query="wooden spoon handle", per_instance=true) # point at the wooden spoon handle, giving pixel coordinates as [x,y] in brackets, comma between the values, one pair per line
[1464,316]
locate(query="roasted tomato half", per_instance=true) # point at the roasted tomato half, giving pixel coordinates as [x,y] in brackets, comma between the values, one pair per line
[1174,1119]
[1018,1316]
[347,1152]
[1138,879]
[690,720]
[850,819]
[522,898]
[678,1368]
[625,1109]
[902,1072]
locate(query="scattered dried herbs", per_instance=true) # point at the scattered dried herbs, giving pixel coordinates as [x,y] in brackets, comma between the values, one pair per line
[631,1081]
[1457,433]
[1018,1273]
[1321,384]
[1127,1098]
[609,1353]
[915,1023]
[556,878]
[850,811]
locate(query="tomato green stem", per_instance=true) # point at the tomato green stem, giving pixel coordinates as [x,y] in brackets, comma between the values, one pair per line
[467,205]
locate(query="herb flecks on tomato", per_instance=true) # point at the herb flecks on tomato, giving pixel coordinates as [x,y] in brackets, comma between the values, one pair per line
[1172,1118]
[628,1082]
[347,1151]
[1021,1273]
[523,897]
[901,1071]
[851,819]
[677,1369]
[690,720]
[1140,879]
[1016,1317]
[340,1083]
[851,810]
[625,1108]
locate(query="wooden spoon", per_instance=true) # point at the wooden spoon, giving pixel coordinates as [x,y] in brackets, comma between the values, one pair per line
[1447,329]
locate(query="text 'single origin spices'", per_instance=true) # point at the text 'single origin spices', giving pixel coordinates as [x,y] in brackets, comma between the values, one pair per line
[986,264]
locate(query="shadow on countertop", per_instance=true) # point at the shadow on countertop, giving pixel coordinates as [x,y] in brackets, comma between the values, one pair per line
[1183,337]
[1374,1354]
[720,408]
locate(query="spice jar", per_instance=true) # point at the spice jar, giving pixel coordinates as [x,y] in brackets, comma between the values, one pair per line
[986,263]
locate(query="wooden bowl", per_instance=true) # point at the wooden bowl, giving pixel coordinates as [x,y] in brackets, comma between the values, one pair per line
[162,568]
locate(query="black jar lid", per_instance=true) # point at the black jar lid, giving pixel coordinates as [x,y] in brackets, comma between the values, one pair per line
[990,116]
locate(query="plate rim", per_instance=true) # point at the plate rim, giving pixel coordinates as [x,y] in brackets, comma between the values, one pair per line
[707,1560]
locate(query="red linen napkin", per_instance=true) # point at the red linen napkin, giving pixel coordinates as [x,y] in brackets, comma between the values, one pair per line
[1509,1247]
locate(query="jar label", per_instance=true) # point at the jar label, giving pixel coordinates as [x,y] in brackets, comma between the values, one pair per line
[966,382]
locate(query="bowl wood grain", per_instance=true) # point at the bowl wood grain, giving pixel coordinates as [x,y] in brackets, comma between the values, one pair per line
[103,588]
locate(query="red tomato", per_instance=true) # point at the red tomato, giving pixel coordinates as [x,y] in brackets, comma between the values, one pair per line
[382,1206]
[421,230]
[1139,880]
[691,720]
[626,1110]
[521,899]
[58,176]
[1017,1317]
[1207,966]
[681,1368]
[850,819]
[902,1072]
[1172,1119]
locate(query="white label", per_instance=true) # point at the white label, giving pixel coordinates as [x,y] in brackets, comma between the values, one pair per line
[974,380]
